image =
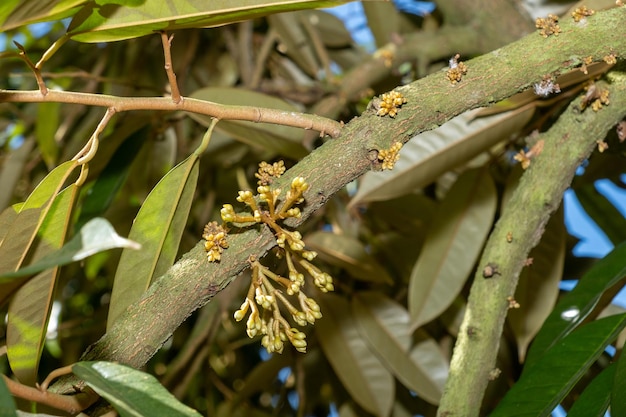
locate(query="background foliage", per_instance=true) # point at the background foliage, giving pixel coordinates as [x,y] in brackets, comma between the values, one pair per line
[400,245]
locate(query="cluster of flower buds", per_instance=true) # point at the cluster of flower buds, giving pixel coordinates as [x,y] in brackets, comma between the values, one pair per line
[390,156]
[262,301]
[215,236]
[390,103]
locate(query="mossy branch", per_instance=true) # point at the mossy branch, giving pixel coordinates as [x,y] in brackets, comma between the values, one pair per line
[192,281]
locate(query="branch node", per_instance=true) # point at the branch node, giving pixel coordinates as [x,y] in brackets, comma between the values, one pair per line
[42,85]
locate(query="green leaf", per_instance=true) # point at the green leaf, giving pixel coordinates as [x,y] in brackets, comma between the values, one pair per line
[131,392]
[549,380]
[618,402]
[30,215]
[283,140]
[538,287]
[594,401]
[101,22]
[574,307]
[158,228]
[383,20]
[29,310]
[7,404]
[602,212]
[96,236]
[430,154]
[45,131]
[348,253]
[384,324]
[367,380]
[451,249]
[15,13]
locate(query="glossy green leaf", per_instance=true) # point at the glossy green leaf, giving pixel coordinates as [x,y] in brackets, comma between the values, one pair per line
[602,212]
[95,236]
[538,287]
[101,22]
[131,392]
[158,228]
[430,154]
[7,404]
[30,214]
[283,140]
[548,381]
[618,400]
[348,253]
[385,325]
[358,368]
[15,13]
[454,241]
[594,400]
[574,307]
[29,309]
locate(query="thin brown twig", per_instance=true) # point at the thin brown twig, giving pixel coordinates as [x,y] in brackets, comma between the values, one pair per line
[167,53]
[220,111]
[70,403]
[42,85]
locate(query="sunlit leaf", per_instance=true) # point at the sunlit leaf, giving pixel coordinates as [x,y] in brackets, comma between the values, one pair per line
[158,228]
[548,381]
[7,404]
[131,392]
[15,13]
[454,241]
[538,286]
[385,325]
[349,253]
[30,214]
[359,369]
[29,310]
[283,140]
[428,155]
[96,236]
[101,22]
[574,307]
[595,399]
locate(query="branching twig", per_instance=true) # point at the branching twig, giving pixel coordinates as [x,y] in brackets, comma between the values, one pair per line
[171,76]
[220,111]
[42,85]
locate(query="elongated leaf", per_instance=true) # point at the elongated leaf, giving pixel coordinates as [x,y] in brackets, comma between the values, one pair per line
[428,155]
[45,130]
[296,40]
[595,399]
[158,228]
[618,402]
[452,246]
[348,253]
[131,392]
[548,381]
[603,213]
[538,287]
[574,307]
[30,307]
[7,404]
[20,235]
[96,236]
[385,325]
[283,140]
[359,369]
[101,22]
[15,13]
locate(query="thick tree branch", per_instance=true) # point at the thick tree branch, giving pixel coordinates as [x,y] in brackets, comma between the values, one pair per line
[192,281]
[566,145]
